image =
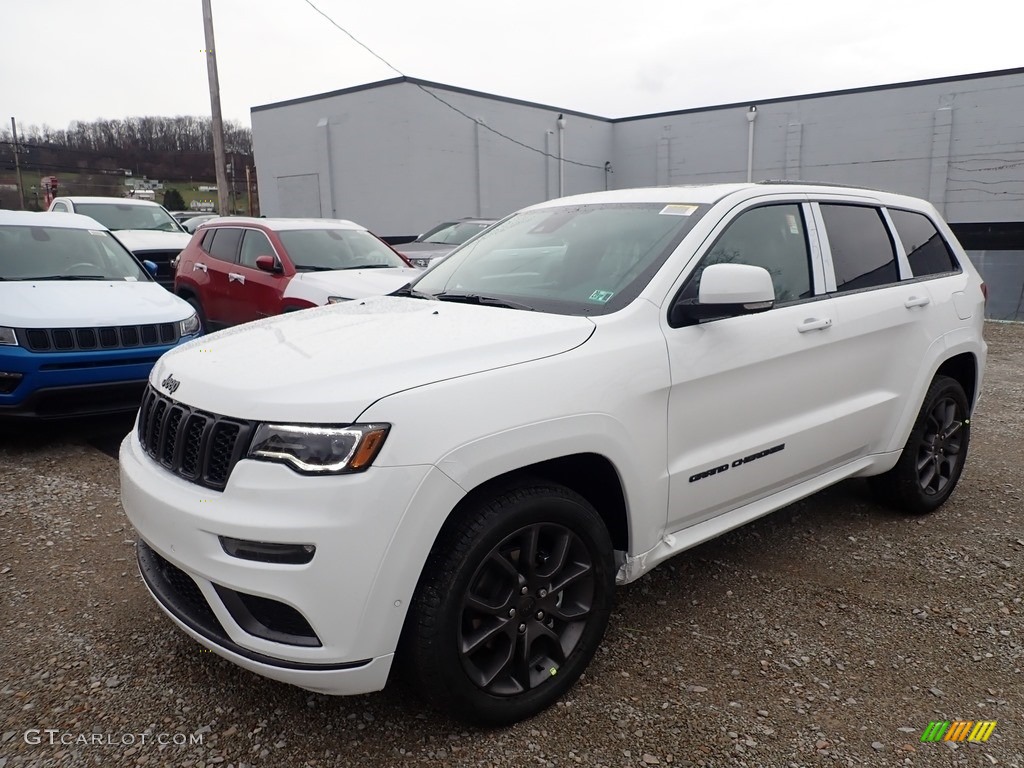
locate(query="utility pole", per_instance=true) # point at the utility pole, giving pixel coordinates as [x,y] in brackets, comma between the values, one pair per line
[217,122]
[248,188]
[17,165]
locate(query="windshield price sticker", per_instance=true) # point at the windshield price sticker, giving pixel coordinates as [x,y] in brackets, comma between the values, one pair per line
[677,209]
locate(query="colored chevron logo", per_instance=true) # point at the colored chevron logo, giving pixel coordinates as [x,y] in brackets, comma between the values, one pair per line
[958,730]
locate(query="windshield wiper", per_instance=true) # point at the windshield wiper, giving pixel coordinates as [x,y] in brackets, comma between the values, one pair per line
[488,301]
[305,268]
[367,266]
[67,277]
[412,293]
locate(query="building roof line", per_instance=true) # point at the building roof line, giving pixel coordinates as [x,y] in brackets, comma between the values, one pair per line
[426,84]
[689,110]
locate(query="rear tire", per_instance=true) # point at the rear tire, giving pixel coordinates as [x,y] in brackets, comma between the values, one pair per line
[934,455]
[512,604]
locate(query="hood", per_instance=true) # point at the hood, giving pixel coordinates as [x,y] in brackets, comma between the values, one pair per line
[142,240]
[328,364]
[352,283]
[87,303]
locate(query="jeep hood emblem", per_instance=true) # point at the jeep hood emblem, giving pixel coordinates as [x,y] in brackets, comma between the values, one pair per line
[171,384]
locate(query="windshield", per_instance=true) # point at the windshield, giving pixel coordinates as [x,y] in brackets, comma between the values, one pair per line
[55,253]
[115,216]
[329,249]
[455,234]
[580,260]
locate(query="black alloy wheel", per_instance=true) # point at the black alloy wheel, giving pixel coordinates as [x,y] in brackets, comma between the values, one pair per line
[525,609]
[512,604]
[938,454]
[934,454]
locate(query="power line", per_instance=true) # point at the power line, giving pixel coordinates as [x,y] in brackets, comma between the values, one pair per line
[450,106]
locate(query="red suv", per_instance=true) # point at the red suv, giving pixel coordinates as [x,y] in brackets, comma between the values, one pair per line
[238,269]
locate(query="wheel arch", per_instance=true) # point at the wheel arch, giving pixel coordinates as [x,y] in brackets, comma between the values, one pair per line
[964,369]
[591,475]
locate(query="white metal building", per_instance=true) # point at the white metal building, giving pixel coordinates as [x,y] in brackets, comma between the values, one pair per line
[401,155]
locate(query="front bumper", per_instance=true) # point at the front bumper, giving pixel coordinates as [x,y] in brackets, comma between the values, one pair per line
[348,602]
[66,384]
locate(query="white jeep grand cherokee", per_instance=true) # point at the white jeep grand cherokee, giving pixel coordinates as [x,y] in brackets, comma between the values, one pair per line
[459,473]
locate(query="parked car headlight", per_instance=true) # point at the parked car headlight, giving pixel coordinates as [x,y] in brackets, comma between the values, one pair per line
[189,325]
[319,450]
[7,337]
[337,299]
[421,263]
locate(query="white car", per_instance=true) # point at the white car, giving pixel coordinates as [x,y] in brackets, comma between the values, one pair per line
[460,473]
[145,228]
[81,320]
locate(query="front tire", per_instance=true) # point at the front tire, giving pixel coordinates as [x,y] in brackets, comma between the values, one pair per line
[934,455]
[513,602]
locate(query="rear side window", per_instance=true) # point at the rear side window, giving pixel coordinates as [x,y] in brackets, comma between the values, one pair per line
[927,252]
[207,242]
[862,251]
[225,244]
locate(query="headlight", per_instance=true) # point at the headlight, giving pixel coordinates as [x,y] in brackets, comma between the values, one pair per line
[336,299]
[421,263]
[319,450]
[7,337]
[189,325]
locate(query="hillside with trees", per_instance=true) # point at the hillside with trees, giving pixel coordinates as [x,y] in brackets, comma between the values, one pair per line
[166,148]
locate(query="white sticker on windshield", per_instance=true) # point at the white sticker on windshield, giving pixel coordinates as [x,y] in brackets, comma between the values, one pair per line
[131,279]
[97,233]
[601,297]
[677,209]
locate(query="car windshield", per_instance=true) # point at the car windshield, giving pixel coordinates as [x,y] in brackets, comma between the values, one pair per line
[55,253]
[330,249]
[580,260]
[455,234]
[115,216]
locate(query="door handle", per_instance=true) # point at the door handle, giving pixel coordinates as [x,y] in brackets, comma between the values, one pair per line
[814,324]
[917,301]
[198,265]
[236,276]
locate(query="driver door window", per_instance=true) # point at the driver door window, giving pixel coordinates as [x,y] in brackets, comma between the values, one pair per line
[773,237]
[254,243]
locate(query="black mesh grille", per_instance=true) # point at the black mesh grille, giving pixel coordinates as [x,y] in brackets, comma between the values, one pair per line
[269,619]
[62,339]
[37,339]
[108,337]
[129,336]
[182,587]
[200,447]
[86,338]
[76,339]
[277,617]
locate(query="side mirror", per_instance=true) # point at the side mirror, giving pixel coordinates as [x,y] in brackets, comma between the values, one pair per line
[150,266]
[727,290]
[268,264]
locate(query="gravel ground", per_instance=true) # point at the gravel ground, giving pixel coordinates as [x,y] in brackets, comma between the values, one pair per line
[829,633]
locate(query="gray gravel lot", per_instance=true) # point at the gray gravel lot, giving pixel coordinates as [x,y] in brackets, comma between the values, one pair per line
[829,633]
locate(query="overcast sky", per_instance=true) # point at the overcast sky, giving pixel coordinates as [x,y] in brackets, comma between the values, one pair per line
[64,60]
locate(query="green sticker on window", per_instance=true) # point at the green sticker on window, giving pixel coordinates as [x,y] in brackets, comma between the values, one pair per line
[601,297]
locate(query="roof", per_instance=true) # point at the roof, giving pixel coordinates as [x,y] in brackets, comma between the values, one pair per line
[706,194]
[79,199]
[733,105]
[281,224]
[48,219]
